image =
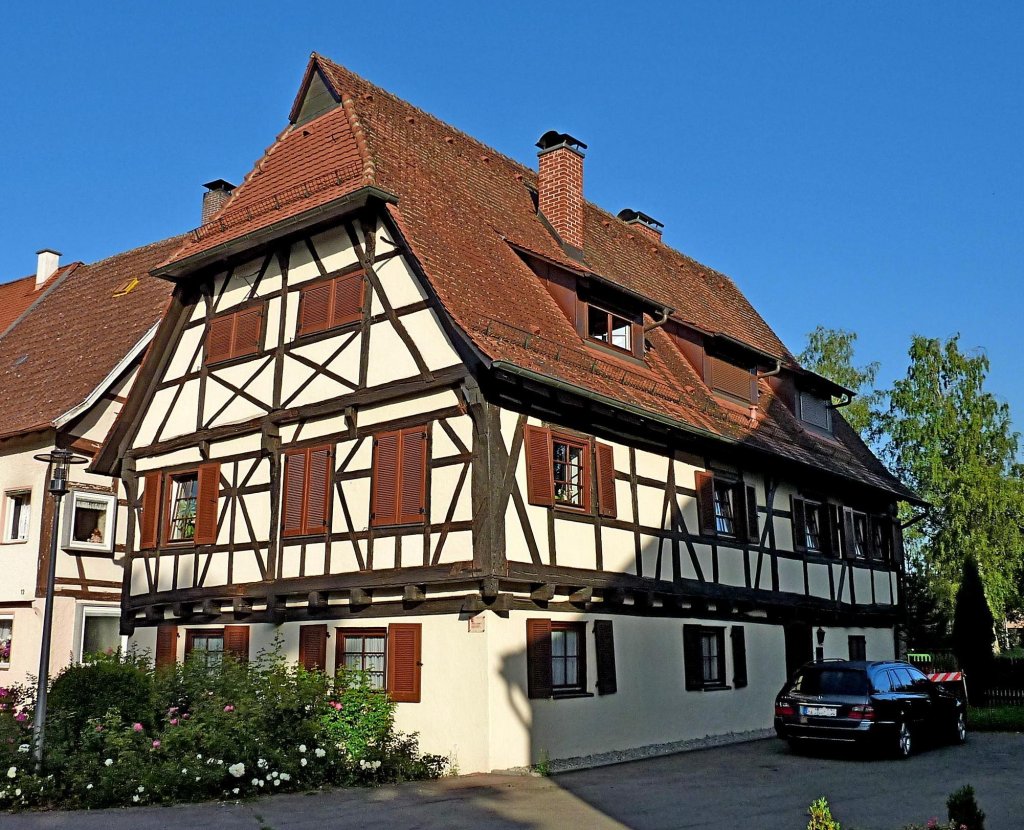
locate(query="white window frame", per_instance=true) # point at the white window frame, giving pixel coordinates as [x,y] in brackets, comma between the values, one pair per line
[95,611]
[8,530]
[8,618]
[107,545]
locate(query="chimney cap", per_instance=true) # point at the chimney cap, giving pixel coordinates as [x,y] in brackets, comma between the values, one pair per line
[630,216]
[219,184]
[48,251]
[552,139]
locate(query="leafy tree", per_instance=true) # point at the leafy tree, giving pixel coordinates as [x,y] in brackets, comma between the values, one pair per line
[829,352]
[973,626]
[951,440]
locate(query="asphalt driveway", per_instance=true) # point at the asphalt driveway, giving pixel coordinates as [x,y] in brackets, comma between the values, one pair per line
[757,785]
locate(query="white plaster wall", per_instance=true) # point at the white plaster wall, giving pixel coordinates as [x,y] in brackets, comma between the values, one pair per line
[879,643]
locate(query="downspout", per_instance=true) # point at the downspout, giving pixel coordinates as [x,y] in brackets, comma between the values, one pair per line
[664,313]
[768,374]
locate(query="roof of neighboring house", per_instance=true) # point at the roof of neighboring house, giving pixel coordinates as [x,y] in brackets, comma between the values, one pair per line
[76,334]
[464,209]
[16,296]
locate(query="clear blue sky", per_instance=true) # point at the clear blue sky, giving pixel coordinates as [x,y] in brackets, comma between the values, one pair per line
[858,165]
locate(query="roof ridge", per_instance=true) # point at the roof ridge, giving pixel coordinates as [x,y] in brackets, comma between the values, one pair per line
[139,249]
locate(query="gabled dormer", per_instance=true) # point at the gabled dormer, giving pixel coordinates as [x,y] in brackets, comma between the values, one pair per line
[316,95]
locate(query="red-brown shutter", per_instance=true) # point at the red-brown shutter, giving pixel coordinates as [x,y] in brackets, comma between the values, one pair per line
[604,648]
[403,669]
[218,339]
[348,299]
[294,492]
[206,504]
[606,480]
[538,658]
[799,524]
[150,511]
[706,502]
[753,527]
[384,482]
[413,476]
[315,308]
[693,658]
[849,534]
[236,641]
[166,645]
[318,489]
[248,328]
[313,647]
[540,474]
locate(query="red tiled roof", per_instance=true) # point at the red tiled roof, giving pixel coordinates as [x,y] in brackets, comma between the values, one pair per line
[461,204]
[76,335]
[16,296]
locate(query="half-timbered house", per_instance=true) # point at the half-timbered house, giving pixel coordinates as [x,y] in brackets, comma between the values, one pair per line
[71,342]
[421,410]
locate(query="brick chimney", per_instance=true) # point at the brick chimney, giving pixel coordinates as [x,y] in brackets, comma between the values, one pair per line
[47,263]
[642,222]
[560,186]
[217,193]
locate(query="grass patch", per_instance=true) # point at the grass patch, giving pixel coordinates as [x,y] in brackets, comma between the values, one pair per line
[996,719]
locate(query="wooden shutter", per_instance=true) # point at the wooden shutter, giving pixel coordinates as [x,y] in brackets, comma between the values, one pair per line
[734,380]
[604,647]
[412,495]
[403,662]
[835,532]
[207,499]
[799,524]
[150,511]
[706,502]
[294,492]
[219,338]
[540,474]
[739,656]
[236,641]
[849,535]
[348,299]
[384,482]
[166,645]
[693,664]
[313,647]
[873,550]
[318,489]
[248,328]
[606,481]
[538,658]
[315,308]
[753,527]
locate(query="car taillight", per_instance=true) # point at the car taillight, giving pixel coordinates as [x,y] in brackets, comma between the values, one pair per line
[862,713]
[784,710]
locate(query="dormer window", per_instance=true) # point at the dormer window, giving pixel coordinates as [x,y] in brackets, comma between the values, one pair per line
[609,328]
[730,379]
[815,411]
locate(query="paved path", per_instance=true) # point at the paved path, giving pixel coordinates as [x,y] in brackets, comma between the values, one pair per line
[757,785]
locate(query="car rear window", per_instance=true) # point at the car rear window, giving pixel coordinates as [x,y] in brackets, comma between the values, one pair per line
[824,681]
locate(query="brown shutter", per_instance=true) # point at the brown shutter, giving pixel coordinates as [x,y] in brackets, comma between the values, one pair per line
[734,380]
[849,535]
[294,492]
[413,476]
[248,327]
[384,482]
[799,524]
[166,645]
[403,659]
[540,474]
[315,308]
[218,338]
[236,641]
[318,490]
[313,647]
[753,526]
[873,550]
[604,647]
[706,502]
[150,511]
[739,657]
[538,658]
[605,481]
[348,299]
[693,663]
[206,504]
[835,533]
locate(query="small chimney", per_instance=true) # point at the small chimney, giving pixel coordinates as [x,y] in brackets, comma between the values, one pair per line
[217,193]
[560,186]
[47,263]
[644,223]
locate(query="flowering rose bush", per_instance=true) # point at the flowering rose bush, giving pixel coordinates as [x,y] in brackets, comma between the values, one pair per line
[229,731]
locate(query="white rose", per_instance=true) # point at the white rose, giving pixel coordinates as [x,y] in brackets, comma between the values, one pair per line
[109,762]
[12,772]
[237,770]
[319,752]
[302,761]
[302,747]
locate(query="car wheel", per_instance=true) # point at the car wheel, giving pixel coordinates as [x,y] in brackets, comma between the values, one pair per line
[904,740]
[960,728]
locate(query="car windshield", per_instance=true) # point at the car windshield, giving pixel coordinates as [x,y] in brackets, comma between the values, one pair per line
[828,681]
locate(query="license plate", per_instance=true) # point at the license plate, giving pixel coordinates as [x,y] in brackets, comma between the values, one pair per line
[818,711]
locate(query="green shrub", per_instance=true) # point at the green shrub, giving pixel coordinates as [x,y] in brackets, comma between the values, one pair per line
[964,811]
[821,816]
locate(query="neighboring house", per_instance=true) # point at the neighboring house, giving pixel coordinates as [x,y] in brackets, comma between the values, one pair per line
[72,340]
[557,487]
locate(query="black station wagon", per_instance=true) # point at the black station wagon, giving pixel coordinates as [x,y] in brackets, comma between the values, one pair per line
[889,703]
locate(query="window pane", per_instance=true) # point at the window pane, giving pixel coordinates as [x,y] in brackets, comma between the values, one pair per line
[557,643]
[571,671]
[570,643]
[6,632]
[812,526]
[621,333]
[724,522]
[89,523]
[183,507]
[18,512]
[568,472]
[597,324]
[100,635]
[558,672]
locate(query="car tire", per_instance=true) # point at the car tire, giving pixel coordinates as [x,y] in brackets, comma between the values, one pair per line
[904,740]
[959,732]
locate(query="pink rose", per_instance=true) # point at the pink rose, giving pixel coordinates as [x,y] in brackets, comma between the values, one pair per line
[137,727]
[99,728]
[174,721]
[21,717]
[156,744]
[229,708]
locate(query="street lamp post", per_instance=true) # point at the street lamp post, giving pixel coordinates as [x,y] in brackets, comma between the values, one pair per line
[60,461]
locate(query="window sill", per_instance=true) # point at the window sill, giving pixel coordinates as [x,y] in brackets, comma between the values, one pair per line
[15,542]
[233,361]
[722,688]
[570,695]
[304,337]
